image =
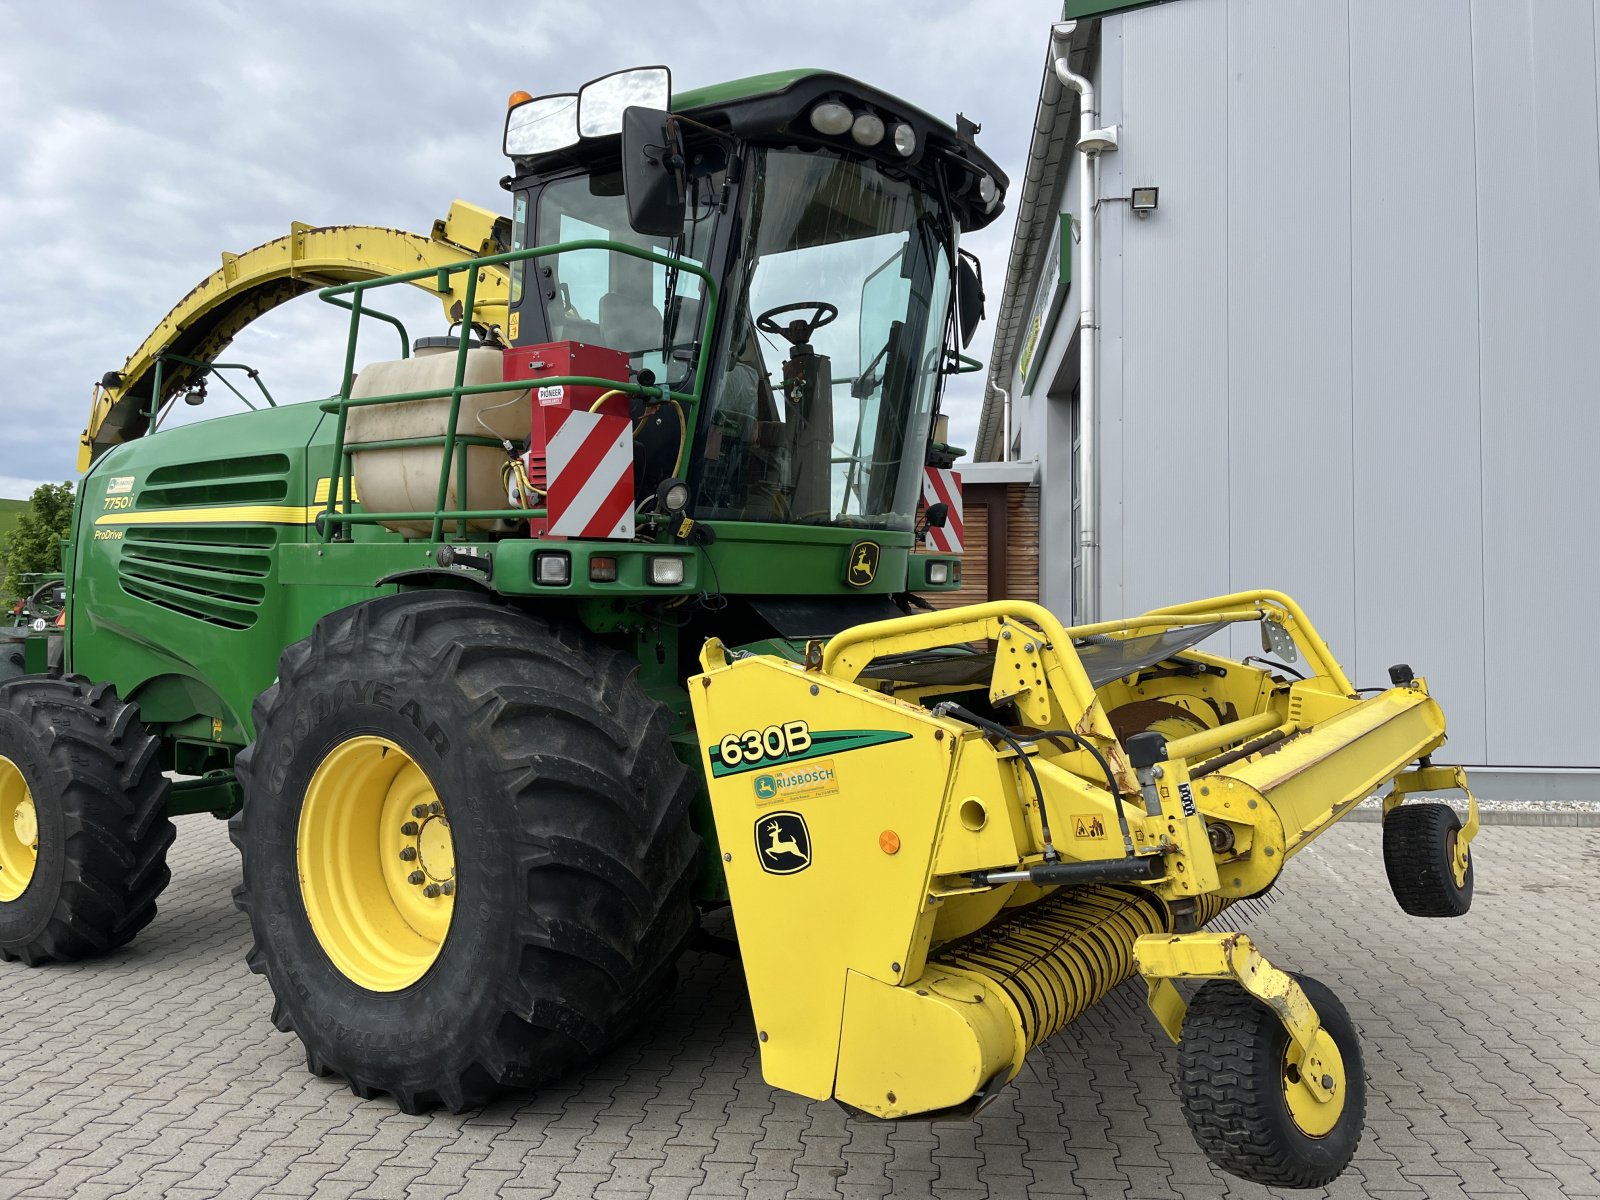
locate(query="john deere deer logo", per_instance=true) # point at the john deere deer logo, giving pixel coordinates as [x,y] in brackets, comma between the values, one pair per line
[783,843]
[862,566]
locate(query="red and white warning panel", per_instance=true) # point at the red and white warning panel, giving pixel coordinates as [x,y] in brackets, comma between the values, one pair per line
[552,360]
[589,457]
[941,485]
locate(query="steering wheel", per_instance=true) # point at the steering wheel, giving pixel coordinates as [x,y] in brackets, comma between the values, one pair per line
[798,332]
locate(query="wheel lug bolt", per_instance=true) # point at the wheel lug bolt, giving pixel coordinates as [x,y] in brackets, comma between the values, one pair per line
[1327,1082]
[420,810]
[436,808]
[407,854]
[409,829]
[431,890]
[448,887]
[416,877]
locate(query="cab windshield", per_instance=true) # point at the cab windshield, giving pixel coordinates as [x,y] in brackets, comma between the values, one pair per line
[831,348]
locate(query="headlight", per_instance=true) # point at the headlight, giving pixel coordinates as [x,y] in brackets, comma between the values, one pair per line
[666,570]
[905,139]
[553,570]
[938,572]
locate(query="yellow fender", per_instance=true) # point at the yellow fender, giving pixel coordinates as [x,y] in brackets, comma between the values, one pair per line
[248,285]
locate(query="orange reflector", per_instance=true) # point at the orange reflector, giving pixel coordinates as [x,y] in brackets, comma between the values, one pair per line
[517,98]
[889,842]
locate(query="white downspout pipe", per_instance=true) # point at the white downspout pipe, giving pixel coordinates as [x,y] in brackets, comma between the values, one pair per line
[1005,423]
[1087,583]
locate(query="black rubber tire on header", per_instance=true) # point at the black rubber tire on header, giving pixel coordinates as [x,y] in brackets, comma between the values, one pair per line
[1231,1064]
[1418,847]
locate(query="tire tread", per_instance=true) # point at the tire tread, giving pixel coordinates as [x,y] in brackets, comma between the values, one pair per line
[1230,1088]
[113,797]
[610,809]
[1415,858]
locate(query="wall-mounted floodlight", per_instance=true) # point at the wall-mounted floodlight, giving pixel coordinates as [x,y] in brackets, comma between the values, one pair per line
[1144,200]
[1098,141]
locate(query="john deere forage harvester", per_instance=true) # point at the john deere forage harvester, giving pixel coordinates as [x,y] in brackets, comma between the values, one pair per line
[525,643]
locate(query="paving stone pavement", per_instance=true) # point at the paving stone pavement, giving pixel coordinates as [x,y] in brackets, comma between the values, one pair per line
[157,1072]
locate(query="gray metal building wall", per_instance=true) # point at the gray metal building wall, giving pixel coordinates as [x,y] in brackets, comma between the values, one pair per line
[1355,353]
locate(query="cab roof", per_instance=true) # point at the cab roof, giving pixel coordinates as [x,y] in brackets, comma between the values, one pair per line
[779,103]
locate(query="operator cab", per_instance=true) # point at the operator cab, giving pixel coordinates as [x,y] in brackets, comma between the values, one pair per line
[826,212]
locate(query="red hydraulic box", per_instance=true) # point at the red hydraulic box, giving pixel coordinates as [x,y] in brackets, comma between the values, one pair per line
[553,359]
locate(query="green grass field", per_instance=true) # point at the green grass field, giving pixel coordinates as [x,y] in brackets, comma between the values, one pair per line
[10,510]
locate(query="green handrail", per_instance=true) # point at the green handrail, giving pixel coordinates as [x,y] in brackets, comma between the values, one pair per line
[332,516]
[214,368]
[405,338]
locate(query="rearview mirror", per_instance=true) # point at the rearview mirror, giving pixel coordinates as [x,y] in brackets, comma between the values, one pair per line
[542,125]
[652,172]
[603,102]
[969,296]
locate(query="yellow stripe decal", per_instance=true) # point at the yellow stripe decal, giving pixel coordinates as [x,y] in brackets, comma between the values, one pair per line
[253,514]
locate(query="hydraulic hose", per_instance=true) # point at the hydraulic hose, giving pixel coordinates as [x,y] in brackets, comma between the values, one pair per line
[997,730]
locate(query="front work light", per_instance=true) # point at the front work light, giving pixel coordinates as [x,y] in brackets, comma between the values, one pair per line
[938,572]
[868,129]
[673,495]
[831,117]
[905,139]
[666,570]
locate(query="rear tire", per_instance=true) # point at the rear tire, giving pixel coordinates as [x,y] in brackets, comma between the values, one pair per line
[1419,842]
[571,852]
[1232,1063]
[83,820]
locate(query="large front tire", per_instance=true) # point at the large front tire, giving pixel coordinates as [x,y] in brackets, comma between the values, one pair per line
[83,820]
[467,855]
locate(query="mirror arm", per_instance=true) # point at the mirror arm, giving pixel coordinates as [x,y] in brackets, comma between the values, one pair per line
[727,140]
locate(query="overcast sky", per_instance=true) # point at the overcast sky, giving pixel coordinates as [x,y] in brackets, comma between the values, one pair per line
[140,140]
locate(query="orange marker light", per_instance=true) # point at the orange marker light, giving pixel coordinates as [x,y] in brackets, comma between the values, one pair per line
[889,842]
[517,98]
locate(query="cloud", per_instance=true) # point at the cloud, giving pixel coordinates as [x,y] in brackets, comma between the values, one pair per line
[139,141]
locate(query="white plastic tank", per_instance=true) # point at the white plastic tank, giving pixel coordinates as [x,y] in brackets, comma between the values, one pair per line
[406,478]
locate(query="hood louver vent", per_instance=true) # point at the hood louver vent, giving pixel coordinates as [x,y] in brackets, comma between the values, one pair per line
[213,574]
[253,479]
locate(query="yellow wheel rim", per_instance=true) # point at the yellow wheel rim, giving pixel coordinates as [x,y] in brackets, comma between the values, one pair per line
[1314,1118]
[1460,856]
[19,832]
[377,864]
